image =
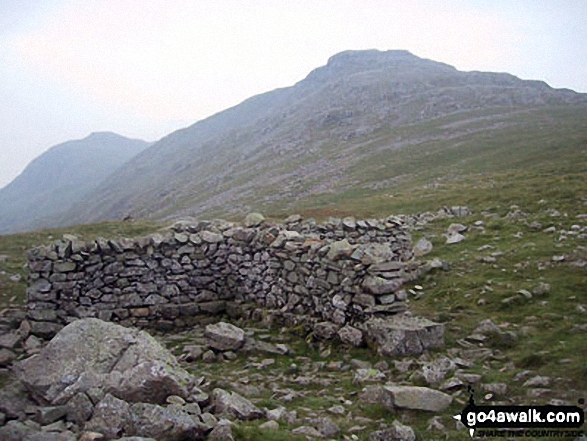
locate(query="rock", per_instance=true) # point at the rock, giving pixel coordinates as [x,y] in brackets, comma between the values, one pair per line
[170,423]
[269,425]
[79,409]
[422,247]
[6,357]
[434,423]
[398,432]
[11,340]
[326,427]
[91,436]
[210,237]
[232,405]
[49,436]
[112,418]
[403,335]
[413,397]
[209,357]
[14,431]
[192,352]
[307,431]
[45,330]
[340,249]
[254,220]
[325,330]
[436,371]
[50,414]
[223,336]
[454,238]
[351,336]
[90,353]
[374,253]
[221,432]
[537,381]
[378,285]
[456,228]
[541,289]
[365,375]
[487,327]
[14,401]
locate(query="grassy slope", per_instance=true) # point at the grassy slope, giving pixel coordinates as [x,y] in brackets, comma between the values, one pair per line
[546,171]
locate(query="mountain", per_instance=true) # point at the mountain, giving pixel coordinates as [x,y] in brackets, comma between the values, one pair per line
[349,128]
[60,178]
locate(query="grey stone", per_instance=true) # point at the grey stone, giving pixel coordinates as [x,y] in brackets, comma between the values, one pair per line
[6,357]
[169,423]
[338,250]
[90,353]
[351,336]
[325,330]
[221,432]
[407,397]
[224,336]
[307,431]
[402,335]
[378,285]
[50,414]
[398,432]
[422,247]
[210,237]
[80,409]
[254,220]
[232,405]
[112,418]
[454,238]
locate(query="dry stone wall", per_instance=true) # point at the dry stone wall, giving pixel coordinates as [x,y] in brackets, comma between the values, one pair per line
[343,271]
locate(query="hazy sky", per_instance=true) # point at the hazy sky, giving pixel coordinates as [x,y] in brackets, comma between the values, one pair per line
[143,68]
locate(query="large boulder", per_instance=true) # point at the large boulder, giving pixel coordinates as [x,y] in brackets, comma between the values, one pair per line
[93,354]
[404,335]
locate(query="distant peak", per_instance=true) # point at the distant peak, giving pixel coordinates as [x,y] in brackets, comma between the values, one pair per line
[370,54]
[103,135]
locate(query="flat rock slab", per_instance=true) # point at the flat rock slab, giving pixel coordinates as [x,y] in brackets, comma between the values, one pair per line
[223,336]
[418,398]
[403,335]
[406,397]
[91,353]
[232,405]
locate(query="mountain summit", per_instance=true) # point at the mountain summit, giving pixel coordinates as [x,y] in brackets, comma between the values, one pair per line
[337,132]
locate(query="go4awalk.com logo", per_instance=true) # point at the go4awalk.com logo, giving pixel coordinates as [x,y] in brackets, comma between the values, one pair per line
[526,421]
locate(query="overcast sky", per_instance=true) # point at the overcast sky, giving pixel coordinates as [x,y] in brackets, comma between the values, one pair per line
[143,68]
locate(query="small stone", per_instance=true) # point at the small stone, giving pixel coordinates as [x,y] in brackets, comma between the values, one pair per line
[224,336]
[454,238]
[398,432]
[307,431]
[422,247]
[254,220]
[175,399]
[269,425]
[537,381]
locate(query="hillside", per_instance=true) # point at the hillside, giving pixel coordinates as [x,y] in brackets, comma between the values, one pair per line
[58,179]
[367,124]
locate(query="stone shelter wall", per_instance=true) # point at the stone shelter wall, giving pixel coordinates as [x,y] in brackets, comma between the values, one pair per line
[341,271]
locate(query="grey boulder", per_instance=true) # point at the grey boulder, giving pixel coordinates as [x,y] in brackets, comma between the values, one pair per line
[223,336]
[404,335]
[91,353]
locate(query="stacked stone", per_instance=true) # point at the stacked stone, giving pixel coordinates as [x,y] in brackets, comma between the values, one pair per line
[342,271]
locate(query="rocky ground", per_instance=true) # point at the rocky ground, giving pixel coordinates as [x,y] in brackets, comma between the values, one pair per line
[509,286]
